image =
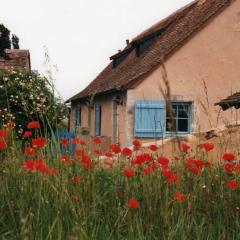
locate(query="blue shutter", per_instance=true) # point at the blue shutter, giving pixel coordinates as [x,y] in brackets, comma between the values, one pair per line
[98,120]
[149,119]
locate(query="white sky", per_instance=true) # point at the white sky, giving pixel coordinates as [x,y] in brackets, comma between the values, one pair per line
[80,35]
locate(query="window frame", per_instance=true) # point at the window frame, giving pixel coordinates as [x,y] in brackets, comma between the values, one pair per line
[78,119]
[172,133]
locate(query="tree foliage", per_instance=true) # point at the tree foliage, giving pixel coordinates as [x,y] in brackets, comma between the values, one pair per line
[5,41]
[26,96]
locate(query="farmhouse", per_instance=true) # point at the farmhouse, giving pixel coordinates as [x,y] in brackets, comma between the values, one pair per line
[189,60]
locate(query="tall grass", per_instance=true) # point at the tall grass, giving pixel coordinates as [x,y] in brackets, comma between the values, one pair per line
[36,204]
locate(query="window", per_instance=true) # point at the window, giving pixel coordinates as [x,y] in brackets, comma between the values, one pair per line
[98,119]
[78,113]
[153,121]
[179,117]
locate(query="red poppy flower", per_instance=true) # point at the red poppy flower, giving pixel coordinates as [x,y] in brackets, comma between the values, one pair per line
[141,159]
[147,171]
[39,142]
[133,203]
[2,145]
[153,166]
[97,140]
[109,155]
[76,179]
[66,159]
[127,151]
[163,160]
[208,165]
[232,184]
[97,152]
[229,156]
[115,148]
[179,197]
[208,146]
[185,147]
[129,172]
[27,134]
[171,177]
[75,141]
[29,165]
[237,168]
[30,151]
[64,142]
[153,147]
[136,143]
[83,143]
[3,134]
[229,167]
[86,162]
[79,152]
[51,171]
[34,124]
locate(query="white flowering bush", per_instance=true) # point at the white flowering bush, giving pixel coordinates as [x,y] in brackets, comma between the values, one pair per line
[27,96]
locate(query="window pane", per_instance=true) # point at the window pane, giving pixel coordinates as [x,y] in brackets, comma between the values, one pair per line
[183,111]
[172,112]
[171,125]
[183,125]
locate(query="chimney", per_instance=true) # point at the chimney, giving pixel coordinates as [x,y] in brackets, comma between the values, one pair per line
[127,42]
[119,51]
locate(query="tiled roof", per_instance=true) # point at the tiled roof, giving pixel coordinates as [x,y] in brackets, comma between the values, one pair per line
[174,31]
[15,58]
[231,101]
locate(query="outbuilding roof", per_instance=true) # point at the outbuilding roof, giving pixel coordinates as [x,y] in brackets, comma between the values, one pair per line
[231,101]
[170,33]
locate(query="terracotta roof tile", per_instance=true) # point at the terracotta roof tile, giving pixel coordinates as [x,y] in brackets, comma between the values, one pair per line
[175,30]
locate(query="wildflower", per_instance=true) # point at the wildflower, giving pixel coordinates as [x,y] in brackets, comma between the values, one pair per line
[97,152]
[50,171]
[3,134]
[39,142]
[229,156]
[34,124]
[171,177]
[75,141]
[133,203]
[108,154]
[153,147]
[64,142]
[30,151]
[86,162]
[163,160]
[229,167]
[83,143]
[147,171]
[153,166]
[29,165]
[141,159]
[79,152]
[65,159]
[97,140]
[136,143]
[76,179]
[232,184]
[2,145]
[115,148]
[185,147]
[208,165]
[27,134]
[127,151]
[208,146]
[129,172]
[179,197]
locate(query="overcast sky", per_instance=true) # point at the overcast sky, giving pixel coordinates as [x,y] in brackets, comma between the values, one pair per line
[80,35]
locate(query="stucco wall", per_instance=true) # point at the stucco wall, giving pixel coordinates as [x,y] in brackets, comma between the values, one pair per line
[211,56]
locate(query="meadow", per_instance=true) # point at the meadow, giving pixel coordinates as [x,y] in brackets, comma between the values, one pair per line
[121,193]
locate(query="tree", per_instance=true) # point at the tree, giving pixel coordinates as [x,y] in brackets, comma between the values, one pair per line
[15,41]
[5,42]
[26,96]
